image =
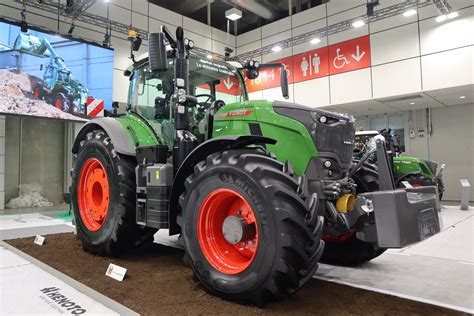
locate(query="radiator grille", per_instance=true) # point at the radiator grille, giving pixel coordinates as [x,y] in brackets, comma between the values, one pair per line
[255,129]
[336,138]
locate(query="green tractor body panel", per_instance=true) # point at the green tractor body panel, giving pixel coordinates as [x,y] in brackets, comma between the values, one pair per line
[405,165]
[139,132]
[294,142]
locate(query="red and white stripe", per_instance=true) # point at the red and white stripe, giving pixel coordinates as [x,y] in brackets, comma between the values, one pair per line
[94,107]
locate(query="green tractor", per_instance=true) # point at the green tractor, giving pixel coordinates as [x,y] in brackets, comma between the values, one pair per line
[251,187]
[408,171]
[57,87]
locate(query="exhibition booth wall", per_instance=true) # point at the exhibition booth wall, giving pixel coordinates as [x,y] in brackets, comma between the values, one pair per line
[46,159]
[406,58]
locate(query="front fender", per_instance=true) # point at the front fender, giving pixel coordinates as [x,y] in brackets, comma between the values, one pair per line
[200,153]
[113,128]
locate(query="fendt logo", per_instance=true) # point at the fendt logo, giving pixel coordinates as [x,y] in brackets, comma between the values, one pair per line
[60,302]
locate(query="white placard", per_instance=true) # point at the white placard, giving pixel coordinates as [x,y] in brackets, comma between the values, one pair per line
[116,272]
[39,240]
[407,184]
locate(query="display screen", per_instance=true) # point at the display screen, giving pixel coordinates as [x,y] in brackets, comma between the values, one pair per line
[47,75]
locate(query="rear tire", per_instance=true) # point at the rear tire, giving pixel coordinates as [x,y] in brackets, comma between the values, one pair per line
[61,102]
[114,230]
[286,244]
[38,91]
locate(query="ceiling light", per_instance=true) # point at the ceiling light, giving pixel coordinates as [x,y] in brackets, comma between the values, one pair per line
[462,97]
[409,13]
[276,48]
[412,103]
[315,41]
[452,15]
[441,18]
[233,14]
[358,23]
[210,56]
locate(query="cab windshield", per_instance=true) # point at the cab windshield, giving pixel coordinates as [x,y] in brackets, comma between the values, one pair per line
[208,80]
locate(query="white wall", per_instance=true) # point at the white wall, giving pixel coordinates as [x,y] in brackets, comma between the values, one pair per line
[408,55]
[451,143]
[138,13]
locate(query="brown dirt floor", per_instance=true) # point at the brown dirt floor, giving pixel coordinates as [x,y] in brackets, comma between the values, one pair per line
[157,282]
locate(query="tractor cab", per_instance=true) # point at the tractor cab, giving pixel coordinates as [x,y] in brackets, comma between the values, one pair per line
[212,83]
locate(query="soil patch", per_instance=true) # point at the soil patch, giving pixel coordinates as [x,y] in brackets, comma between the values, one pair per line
[157,282]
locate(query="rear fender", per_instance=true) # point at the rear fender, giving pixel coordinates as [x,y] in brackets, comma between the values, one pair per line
[205,149]
[117,133]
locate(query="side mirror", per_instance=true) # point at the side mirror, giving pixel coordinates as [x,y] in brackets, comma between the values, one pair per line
[157,52]
[284,83]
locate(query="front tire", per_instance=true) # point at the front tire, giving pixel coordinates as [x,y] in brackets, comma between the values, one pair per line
[61,102]
[282,244]
[103,198]
[346,249]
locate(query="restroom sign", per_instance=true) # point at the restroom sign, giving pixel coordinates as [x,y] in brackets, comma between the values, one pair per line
[349,55]
[311,65]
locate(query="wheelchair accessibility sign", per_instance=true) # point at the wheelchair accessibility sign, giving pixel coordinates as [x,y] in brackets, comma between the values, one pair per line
[349,55]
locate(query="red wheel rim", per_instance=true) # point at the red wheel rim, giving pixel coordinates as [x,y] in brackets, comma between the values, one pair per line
[222,255]
[93,194]
[339,238]
[58,103]
[36,92]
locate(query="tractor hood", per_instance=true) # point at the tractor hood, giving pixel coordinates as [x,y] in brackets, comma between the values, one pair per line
[302,132]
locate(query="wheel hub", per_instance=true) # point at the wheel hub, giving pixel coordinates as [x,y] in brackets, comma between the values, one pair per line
[93,194]
[236,230]
[227,231]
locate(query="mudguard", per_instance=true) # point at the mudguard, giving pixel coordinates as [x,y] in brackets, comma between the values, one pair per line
[113,128]
[200,153]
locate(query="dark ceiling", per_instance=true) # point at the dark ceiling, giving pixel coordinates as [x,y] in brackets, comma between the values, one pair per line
[255,13]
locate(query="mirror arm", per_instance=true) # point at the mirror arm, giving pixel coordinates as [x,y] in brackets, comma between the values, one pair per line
[168,36]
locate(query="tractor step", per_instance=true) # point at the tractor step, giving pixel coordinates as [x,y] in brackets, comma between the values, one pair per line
[154,180]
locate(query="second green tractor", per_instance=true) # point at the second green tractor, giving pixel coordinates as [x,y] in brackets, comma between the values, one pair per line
[254,188]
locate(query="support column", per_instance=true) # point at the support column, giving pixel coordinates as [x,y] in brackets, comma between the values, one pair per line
[2,164]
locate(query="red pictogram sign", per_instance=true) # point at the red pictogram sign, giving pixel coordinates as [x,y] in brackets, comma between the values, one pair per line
[330,60]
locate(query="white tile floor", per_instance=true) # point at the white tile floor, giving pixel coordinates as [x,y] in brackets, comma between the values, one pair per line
[439,270]
[25,225]
[21,283]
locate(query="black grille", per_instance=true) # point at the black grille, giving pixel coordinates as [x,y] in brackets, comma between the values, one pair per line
[337,138]
[255,129]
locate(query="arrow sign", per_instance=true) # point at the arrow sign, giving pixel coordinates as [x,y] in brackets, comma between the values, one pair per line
[358,56]
[228,83]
